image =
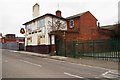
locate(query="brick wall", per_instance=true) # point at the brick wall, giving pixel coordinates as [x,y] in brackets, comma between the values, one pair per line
[85,28]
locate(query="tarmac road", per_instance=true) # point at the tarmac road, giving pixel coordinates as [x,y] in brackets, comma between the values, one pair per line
[15,65]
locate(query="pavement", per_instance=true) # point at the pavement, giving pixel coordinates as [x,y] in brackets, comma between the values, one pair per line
[20,64]
[85,61]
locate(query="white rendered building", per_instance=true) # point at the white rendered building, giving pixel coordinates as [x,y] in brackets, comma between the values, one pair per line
[37,36]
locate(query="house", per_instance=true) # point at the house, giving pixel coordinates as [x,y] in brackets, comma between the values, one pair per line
[37,37]
[10,41]
[87,27]
[45,33]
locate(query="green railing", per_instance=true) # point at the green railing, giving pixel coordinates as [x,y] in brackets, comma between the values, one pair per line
[100,49]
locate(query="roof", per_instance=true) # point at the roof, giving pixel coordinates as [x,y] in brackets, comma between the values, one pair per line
[48,14]
[10,35]
[20,38]
[108,27]
[78,15]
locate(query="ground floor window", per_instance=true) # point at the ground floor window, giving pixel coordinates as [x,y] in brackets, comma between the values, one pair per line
[29,40]
[41,39]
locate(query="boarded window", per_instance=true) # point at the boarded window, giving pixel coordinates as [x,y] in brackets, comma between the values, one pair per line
[29,39]
[41,39]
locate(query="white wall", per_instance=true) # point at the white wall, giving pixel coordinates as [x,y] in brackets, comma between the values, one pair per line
[34,39]
[44,31]
[53,39]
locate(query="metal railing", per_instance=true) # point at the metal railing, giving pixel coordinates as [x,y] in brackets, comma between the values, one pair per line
[99,49]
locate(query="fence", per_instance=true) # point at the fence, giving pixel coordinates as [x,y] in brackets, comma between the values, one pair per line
[10,45]
[102,49]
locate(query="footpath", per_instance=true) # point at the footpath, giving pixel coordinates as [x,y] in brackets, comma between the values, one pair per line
[84,61]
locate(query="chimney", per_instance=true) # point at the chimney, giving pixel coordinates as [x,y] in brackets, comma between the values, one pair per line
[98,24]
[58,13]
[36,11]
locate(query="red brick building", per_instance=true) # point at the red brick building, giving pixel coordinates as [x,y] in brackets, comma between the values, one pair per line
[80,27]
[10,41]
[84,26]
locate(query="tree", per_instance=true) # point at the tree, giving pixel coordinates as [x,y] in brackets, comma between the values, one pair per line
[56,25]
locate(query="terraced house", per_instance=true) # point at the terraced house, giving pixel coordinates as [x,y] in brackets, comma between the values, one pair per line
[49,33]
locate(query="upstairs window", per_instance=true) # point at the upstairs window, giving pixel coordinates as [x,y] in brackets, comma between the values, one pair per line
[71,23]
[29,28]
[41,23]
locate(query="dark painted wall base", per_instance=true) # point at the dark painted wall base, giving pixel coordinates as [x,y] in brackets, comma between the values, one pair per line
[43,49]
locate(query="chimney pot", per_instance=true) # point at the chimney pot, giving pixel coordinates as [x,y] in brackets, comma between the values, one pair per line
[58,13]
[98,24]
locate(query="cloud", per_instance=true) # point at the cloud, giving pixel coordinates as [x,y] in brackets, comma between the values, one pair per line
[16,12]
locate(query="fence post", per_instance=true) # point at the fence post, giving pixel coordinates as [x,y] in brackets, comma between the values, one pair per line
[74,49]
[94,56]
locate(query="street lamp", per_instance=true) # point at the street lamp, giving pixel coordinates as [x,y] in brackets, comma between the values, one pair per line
[17,41]
[64,44]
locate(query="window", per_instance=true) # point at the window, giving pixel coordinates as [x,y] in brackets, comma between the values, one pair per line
[41,23]
[29,28]
[71,23]
[29,39]
[41,39]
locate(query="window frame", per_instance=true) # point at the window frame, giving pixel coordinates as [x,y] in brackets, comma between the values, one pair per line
[72,26]
[41,23]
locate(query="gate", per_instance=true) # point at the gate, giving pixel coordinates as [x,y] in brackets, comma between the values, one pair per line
[58,46]
[21,46]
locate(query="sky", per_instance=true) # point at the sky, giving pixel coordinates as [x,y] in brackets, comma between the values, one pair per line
[13,13]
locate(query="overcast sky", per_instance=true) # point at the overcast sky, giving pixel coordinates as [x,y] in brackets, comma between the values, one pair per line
[13,13]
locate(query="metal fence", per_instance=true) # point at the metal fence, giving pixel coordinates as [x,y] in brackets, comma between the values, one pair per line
[100,49]
[10,45]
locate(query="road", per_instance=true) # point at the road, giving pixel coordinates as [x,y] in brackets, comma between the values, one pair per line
[16,65]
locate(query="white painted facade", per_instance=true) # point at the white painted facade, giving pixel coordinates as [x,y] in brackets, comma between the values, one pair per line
[37,31]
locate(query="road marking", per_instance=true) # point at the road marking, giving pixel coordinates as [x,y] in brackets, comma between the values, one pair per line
[31,63]
[111,74]
[13,51]
[89,66]
[106,73]
[79,64]
[53,60]
[72,75]
[13,54]
[6,60]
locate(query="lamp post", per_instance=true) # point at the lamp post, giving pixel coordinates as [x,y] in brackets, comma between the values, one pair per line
[17,41]
[64,44]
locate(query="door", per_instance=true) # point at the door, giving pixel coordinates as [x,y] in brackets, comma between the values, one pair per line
[58,45]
